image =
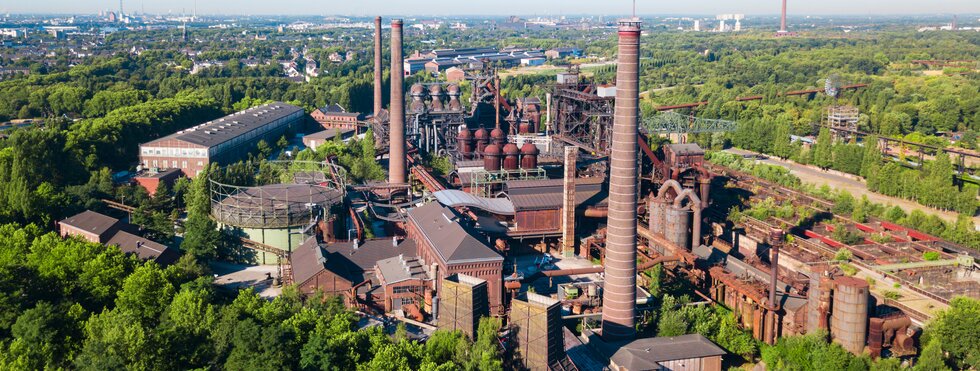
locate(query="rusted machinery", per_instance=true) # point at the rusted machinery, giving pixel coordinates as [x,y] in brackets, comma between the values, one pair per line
[581,117]
[668,215]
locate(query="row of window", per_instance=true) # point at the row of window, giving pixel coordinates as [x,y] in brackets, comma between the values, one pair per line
[173,164]
[254,133]
[174,152]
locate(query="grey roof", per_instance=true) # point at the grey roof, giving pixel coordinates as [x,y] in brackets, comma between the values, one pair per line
[307,260]
[329,134]
[357,264]
[647,353]
[143,248]
[400,268]
[455,198]
[221,130]
[549,194]
[91,222]
[686,149]
[453,243]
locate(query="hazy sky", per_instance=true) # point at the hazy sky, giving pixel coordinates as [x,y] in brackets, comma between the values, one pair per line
[498,7]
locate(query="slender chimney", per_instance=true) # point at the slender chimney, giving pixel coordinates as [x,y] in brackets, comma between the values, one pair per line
[396,141]
[782,19]
[377,66]
[496,101]
[619,297]
[775,241]
[568,205]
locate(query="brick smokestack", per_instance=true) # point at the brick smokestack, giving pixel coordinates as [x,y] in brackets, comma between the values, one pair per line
[619,296]
[377,66]
[396,151]
[782,19]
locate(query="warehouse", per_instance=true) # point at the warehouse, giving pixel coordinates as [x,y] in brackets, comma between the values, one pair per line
[224,140]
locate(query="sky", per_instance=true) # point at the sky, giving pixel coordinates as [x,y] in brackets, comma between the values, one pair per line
[498,7]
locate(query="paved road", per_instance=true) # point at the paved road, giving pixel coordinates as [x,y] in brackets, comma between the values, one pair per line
[855,186]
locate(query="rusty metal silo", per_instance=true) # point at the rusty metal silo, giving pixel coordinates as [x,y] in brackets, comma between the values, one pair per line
[512,156]
[849,321]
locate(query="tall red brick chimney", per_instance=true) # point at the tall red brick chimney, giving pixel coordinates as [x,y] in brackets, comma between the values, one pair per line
[377,66]
[619,293]
[782,20]
[396,151]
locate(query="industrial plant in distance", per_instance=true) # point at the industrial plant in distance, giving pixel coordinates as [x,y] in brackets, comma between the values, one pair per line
[621,186]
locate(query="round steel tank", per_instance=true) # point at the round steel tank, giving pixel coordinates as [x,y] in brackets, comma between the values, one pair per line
[524,128]
[464,141]
[498,137]
[491,158]
[675,225]
[416,90]
[482,137]
[529,156]
[658,211]
[512,156]
[849,318]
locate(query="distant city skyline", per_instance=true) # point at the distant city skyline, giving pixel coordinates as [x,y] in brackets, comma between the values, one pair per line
[496,7]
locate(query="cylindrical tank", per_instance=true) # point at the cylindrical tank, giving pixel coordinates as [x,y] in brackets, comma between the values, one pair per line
[529,156]
[676,222]
[482,137]
[524,128]
[658,211]
[453,92]
[464,141]
[498,137]
[417,90]
[435,91]
[512,156]
[849,321]
[875,336]
[491,158]
[813,301]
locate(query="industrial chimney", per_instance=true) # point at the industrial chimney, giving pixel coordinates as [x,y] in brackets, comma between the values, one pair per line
[377,66]
[782,19]
[619,296]
[396,151]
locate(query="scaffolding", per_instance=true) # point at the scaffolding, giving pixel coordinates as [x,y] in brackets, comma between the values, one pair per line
[297,193]
[842,120]
[483,181]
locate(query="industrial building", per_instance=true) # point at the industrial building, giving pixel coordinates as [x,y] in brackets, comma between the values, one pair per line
[550,209]
[538,331]
[463,301]
[98,228]
[335,116]
[224,140]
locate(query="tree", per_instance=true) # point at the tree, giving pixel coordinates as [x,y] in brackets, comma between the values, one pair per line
[39,339]
[955,330]
[932,358]
[823,150]
[145,294]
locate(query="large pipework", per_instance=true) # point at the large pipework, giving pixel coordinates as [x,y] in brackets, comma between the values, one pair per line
[775,241]
[619,297]
[695,204]
[396,152]
[377,66]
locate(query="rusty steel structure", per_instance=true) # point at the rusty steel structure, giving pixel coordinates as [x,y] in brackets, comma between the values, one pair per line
[619,298]
[580,117]
[438,119]
[396,155]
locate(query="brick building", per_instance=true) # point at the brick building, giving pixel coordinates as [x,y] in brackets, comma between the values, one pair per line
[336,117]
[225,140]
[447,248]
[98,228]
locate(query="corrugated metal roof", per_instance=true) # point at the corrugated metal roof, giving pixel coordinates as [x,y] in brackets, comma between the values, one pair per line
[454,198]
[549,194]
[215,132]
[647,353]
[400,268]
